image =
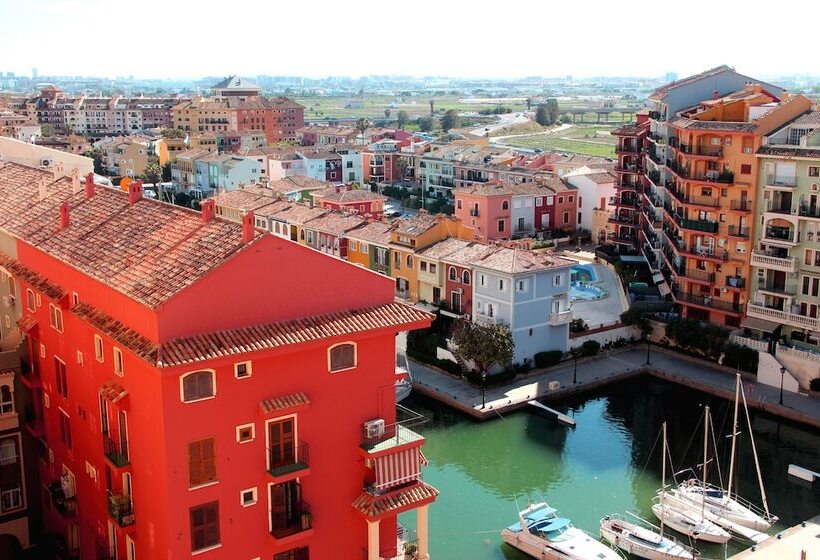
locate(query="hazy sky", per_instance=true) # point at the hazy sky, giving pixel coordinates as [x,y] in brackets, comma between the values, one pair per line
[318,38]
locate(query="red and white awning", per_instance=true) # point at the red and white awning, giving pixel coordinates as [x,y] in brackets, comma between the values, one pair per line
[398,468]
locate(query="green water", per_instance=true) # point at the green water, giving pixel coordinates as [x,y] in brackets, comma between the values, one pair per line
[610,462]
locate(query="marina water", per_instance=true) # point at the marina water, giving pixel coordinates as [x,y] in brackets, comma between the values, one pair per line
[610,462]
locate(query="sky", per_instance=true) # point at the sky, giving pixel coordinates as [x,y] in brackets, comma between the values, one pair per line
[320,38]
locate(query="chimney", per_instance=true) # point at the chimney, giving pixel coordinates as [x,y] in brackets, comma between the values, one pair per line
[42,189]
[134,192]
[715,94]
[248,230]
[208,208]
[75,181]
[64,218]
[89,185]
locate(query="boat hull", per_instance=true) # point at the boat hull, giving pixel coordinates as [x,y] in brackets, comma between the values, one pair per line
[683,522]
[624,536]
[724,507]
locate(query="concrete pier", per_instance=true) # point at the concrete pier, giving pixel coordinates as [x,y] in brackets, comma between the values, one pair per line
[796,543]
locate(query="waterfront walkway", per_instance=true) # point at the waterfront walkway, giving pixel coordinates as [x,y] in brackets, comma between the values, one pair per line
[794,543]
[601,370]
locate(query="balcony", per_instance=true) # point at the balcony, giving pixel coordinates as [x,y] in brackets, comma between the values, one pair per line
[655,115]
[780,316]
[738,231]
[694,200]
[735,282]
[701,150]
[628,149]
[30,376]
[707,302]
[621,219]
[560,318]
[780,234]
[653,155]
[296,519]
[120,509]
[711,176]
[780,182]
[654,177]
[741,205]
[65,506]
[33,422]
[780,206]
[116,452]
[694,225]
[784,264]
[699,275]
[808,211]
[474,212]
[777,288]
[289,463]
[403,294]
[393,435]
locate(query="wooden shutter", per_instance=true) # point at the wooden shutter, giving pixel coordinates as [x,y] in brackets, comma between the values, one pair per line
[201,462]
[204,526]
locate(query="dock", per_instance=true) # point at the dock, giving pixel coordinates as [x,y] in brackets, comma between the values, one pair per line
[544,410]
[803,473]
[796,543]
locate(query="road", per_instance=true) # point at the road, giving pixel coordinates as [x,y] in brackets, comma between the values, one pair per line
[507,119]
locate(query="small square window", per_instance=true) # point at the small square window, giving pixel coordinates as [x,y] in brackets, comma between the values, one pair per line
[745,169]
[248,497]
[245,433]
[242,370]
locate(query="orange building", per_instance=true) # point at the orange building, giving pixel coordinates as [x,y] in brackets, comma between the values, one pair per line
[260,423]
[708,217]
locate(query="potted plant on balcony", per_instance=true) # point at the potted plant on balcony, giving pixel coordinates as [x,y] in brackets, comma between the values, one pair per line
[411,551]
[119,506]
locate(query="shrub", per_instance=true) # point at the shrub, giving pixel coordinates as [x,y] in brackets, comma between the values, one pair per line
[740,357]
[578,325]
[697,338]
[814,384]
[474,377]
[448,365]
[547,359]
[590,348]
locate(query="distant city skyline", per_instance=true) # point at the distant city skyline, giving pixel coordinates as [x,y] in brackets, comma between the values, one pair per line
[177,40]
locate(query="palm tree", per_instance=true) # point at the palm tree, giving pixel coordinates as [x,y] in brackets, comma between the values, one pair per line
[432,105]
[361,126]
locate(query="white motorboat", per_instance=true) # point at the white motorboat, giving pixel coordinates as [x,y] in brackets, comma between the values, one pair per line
[542,534]
[643,540]
[675,514]
[404,381]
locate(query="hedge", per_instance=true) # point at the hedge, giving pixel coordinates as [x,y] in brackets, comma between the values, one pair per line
[547,359]
[740,357]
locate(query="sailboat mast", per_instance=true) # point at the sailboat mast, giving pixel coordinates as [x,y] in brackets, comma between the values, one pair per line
[705,458]
[754,453]
[663,476]
[734,439]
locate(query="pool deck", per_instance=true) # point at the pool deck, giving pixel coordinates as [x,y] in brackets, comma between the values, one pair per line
[800,541]
[602,370]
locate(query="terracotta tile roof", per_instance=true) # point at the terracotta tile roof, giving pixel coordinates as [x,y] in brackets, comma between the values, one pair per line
[117,331]
[442,249]
[297,213]
[27,323]
[336,223]
[243,199]
[630,129]
[296,183]
[791,151]
[374,232]
[417,224]
[33,279]
[470,254]
[347,197]
[499,188]
[514,261]
[600,178]
[280,403]
[812,118]
[113,391]
[148,250]
[200,348]
[396,501]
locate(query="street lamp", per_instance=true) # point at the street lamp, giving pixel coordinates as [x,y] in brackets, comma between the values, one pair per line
[648,348]
[782,375]
[575,369]
[483,388]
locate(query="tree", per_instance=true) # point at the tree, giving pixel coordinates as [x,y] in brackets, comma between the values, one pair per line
[552,109]
[401,167]
[96,157]
[402,118]
[361,126]
[426,123]
[387,113]
[47,130]
[153,171]
[432,106]
[173,133]
[566,118]
[166,171]
[486,346]
[450,120]
[529,103]
[547,113]
[541,116]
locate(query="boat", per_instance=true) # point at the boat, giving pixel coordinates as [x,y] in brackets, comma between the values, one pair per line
[643,540]
[679,514]
[541,534]
[722,503]
[404,381]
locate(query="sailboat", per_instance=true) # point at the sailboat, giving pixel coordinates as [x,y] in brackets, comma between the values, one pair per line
[540,533]
[679,514]
[404,381]
[641,539]
[728,509]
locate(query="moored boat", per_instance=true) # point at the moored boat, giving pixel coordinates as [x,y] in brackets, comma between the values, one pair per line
[642,540]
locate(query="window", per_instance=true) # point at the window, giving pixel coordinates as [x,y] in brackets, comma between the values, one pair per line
[11,498]
[557,280]
[452,273]
[814,171]
[539,201]
[30,300]
[354,246]
[363,248]
[505,205]
[204,526]
[248,497]
[500,226]
[6,400]
[423,266]
[550,200]
[811,286]
[242,370]
[745,169]
[522,286]
[62,379]
[342,356]
[409,261]
[300,553]
[98,348]
[502,286]
[65,429]
[560,200]
[198,385]
[458,204]
[571,199]
[8,451]
[465,277]
[482,280]
[201,462]
[55,318]
[432,268]
[566,217]
[75,298]
[118,368]
[245,433]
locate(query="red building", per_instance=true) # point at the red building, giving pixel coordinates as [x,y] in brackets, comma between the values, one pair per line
[629,189]
[193,393]
[343,199]
[278,117]
[557,207]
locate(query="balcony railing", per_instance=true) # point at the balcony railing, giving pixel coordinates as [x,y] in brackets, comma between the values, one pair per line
[808,211]
[298,519]
[473,211]
[121,510]
[65,506]
[392,435]
[776,288]
[654,156]
[780,234]
[696,225]
[708,176]
[707,301]
[403,294]
[288,462]
[780,181]
[735,281]
[628,149]
[654,176]
[560,318]
[779,206]
[700,275]
[743,205]
[701,150]
[738,231]
[784,264]
[780,316]
[116,452]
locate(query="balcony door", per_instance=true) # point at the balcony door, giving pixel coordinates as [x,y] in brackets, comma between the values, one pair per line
[455,297]
[123,433]
[282,441]
[284,506]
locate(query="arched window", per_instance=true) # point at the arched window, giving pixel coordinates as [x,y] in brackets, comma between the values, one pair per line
[342,356]
[409,261]
[505,205]
[198,385]
[465,277]
[453,274]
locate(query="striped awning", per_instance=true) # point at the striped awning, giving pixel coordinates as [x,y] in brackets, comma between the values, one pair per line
[398,468]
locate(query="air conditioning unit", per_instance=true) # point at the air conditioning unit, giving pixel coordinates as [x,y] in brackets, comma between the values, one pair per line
[554,385]
[374,428]
[8,301]
[46,162]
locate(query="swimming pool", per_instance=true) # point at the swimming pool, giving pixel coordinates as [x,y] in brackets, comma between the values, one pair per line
[581,287]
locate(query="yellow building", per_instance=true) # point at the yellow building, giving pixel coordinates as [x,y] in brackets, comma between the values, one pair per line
[201,115]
